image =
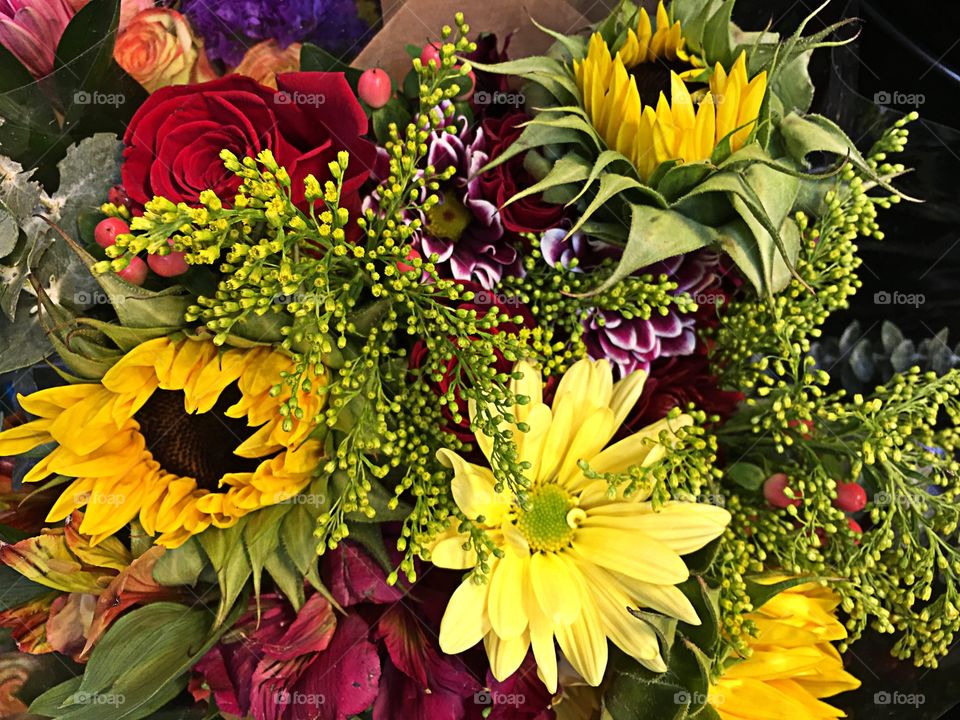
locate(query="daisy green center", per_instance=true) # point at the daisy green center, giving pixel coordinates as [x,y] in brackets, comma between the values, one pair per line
[448,219]
[550,518]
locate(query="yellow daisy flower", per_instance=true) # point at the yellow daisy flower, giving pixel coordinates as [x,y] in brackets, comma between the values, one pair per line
[574,558]
[166,437]
[792,664]
[625,100]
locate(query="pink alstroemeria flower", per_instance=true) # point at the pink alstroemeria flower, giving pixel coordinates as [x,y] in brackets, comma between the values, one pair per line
[31,29]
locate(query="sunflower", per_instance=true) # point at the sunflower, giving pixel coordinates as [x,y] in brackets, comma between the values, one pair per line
[792,663]
[624,97]
[574,558]
[166,437]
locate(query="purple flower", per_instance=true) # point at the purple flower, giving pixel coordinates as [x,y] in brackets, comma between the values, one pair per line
[633,343]
[464,231]
[229,27]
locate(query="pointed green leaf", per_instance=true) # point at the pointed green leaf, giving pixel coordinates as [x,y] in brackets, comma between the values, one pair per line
[180,566]
[657,234]
[568,169]
[224,547]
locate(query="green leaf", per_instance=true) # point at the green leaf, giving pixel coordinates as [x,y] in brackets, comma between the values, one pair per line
[746,475]
[718,36]
[535,136]
[393,112]
[775,194]
[296,535]
[705,601]
[180,566]
[792,84]
[17,589]
[139,666]
[316,59]
[611,185]
[261,535]
[225,548]
[95,93]
[760,593]
[699,562]
[29,130]
[681,179]
[814,133]
[524,66]
[657,234]
[286,576]
[570,168]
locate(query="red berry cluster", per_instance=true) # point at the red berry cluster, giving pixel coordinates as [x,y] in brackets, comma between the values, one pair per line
[851,498]
[168,266]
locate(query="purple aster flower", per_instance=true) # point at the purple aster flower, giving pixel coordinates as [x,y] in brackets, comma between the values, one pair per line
[633,343]
[464,231]
[229,27]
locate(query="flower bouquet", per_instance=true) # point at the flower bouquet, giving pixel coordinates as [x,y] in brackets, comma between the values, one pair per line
[482,391]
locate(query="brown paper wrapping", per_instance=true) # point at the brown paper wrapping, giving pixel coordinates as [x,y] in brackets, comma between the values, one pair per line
[419,21]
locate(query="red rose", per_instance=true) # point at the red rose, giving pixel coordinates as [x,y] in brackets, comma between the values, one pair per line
[530,214]
[174,141]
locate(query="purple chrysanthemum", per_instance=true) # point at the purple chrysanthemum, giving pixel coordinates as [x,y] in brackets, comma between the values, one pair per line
[632,344]
[229,27]
[464,231]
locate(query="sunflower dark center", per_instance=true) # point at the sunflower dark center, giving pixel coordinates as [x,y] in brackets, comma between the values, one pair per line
[653,78]
[199,445]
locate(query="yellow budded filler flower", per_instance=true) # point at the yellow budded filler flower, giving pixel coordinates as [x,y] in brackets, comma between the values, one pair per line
[179,434]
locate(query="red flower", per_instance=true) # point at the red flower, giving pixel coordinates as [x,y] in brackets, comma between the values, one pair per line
[530,214]
[417,677]
[676,382]
[286,665]
[174,141]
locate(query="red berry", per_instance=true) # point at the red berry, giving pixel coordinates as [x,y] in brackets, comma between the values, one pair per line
[375,88]
[855,527]
[412,255]
[808,424]
[773,491]
[473,86]
[106,231]
[134,273]
[170,265]
[851,497]
[430,52]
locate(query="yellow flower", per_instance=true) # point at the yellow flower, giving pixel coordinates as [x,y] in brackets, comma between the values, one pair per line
[574,558]
[792,662]
[167,437]
[624,98]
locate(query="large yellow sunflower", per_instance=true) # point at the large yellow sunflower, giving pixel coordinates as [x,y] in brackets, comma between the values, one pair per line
[792,664]
[166,437]
[624,97]
[574,558]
